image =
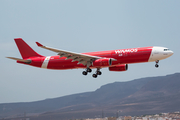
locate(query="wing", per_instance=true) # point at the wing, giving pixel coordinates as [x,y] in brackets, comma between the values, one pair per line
[81,58]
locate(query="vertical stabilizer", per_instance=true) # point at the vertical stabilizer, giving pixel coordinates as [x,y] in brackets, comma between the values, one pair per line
[25,50]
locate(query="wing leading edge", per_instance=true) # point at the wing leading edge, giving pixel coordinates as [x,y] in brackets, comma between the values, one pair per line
[81,58]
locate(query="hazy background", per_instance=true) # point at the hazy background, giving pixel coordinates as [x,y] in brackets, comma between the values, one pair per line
[82,26]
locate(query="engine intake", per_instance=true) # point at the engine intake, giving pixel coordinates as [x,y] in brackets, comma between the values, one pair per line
[122,67]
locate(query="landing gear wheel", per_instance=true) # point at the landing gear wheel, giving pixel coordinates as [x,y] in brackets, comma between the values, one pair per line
[156,65]
[89,70]
[99,72]
[94,75]
[84,73]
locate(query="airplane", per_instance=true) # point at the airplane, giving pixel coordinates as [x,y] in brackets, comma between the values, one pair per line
[115,60]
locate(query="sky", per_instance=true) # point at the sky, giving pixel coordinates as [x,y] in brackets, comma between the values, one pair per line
[82,26]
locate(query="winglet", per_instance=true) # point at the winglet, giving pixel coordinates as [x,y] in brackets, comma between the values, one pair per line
[39,44]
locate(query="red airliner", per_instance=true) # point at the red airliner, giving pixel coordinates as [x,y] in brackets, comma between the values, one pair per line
[115,60]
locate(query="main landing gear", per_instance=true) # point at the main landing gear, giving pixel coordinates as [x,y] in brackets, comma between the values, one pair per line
[86,72]
[98,72]
[156,65]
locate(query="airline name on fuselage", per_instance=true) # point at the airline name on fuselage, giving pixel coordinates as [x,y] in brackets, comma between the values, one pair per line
[126,51]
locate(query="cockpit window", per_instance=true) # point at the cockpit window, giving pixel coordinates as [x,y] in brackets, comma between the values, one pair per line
[166,50]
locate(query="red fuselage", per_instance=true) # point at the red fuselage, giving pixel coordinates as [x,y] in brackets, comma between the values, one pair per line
[116,60]
[122,56]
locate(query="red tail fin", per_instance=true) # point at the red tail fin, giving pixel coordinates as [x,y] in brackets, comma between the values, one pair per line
[25,50]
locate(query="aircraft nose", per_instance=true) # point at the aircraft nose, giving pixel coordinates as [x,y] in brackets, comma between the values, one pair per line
[171,52]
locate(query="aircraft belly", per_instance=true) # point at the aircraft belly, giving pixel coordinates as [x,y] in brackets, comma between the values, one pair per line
[61,64]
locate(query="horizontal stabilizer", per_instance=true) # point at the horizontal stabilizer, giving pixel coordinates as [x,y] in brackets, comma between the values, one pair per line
[21,60]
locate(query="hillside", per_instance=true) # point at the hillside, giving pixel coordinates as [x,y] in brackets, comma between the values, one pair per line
[136,97]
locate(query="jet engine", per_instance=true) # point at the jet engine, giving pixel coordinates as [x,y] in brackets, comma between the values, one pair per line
[102,62]
[122,67]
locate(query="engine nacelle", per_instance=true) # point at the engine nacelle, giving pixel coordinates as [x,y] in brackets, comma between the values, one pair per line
[102,62]
[122,67]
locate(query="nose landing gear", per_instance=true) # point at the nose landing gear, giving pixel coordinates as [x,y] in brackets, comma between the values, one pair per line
[156,65]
